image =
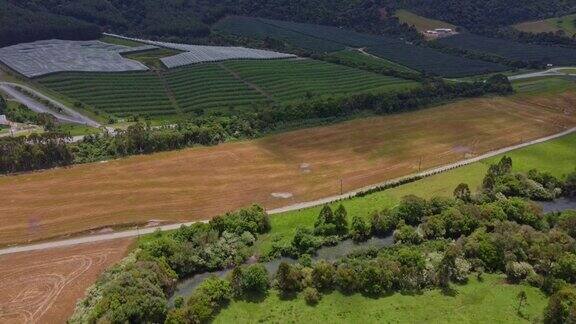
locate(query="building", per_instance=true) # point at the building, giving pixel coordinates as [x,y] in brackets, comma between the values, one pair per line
[4,121]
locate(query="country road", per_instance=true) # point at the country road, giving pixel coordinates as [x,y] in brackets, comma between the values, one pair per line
[69,115]
[551,72]
[303,205]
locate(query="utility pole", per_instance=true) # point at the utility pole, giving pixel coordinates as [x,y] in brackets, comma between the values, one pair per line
[341,186]
[420,165]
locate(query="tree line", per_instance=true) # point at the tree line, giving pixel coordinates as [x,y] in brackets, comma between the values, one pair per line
[141,138]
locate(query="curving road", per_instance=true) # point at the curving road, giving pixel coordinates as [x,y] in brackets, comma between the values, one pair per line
[550,72]
[68,115]
[319,202]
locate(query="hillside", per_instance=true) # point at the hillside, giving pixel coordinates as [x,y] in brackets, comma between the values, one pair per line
[564,25]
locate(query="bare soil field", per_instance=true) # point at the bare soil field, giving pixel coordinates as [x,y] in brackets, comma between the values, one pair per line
[43,287]
[279,170]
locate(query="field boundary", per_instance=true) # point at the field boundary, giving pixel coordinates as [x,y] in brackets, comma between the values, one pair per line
[351,194]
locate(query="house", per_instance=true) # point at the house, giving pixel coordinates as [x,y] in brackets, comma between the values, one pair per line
[4,121]
[444,30]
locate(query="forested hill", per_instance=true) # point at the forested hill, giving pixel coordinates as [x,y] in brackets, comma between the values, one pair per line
[177,20]
[19,24]
[191,20]
[485,14]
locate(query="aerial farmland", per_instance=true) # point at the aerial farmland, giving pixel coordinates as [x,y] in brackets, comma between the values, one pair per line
[185,162]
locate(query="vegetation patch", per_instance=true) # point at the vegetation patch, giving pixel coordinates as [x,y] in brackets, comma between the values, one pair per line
[559,25]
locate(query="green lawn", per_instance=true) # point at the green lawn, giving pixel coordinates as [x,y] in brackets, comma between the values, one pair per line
[78,130]
[557,157]
[541,85]
[489,301]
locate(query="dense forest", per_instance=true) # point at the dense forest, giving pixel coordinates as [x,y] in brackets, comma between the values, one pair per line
[477,15]
[191,20]
[178,20]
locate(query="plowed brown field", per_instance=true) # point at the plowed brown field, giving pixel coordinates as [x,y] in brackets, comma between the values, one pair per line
[308,164]
[43,287]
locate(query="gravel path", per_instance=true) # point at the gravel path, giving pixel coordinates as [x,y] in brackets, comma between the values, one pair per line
[148,230]
[68,115]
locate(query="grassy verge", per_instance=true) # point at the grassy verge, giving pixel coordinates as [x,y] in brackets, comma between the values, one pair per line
[487,301]
[120,41]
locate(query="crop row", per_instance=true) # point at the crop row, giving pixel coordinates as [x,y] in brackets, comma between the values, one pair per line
[318,38]
[217,87]
[513,50]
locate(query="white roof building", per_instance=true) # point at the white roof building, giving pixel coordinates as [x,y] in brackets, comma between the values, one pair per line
[3,120]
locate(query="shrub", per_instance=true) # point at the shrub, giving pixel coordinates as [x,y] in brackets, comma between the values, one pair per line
[323,275]
[407,234]
[304,241]
[254,279]
[383,223]
[288,279]
[518,271]
[565,268]
[253,219]
[561,307]
[311,296]
[346,279]
[360,230]
[412,210]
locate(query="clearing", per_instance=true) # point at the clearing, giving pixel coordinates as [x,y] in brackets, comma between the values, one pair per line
[422,24]
[198,183]
[487,301]
[43,287]
[564,24]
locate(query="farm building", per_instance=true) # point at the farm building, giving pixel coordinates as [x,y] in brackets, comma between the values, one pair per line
[4,120]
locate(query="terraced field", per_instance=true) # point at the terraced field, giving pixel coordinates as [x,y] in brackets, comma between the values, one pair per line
[287,81]
[120,94]
[221,87]
[209,87]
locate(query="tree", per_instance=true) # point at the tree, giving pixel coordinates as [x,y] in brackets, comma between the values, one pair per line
[341,220]
[323,275]
[412,209]
[288,279]
[325,224]
[360,230]
[561,306]
[255,279]
[311,296]
[463,192]
[522,298]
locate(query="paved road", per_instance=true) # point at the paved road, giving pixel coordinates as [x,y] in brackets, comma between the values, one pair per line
[319,202]
[551,72]
[68,115]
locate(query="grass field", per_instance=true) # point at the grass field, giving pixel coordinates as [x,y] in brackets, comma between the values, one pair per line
[488,301]
[422,24]
[152,58]
[199,183]
[564,23]
[120,41]
[216,87]
[319,38]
